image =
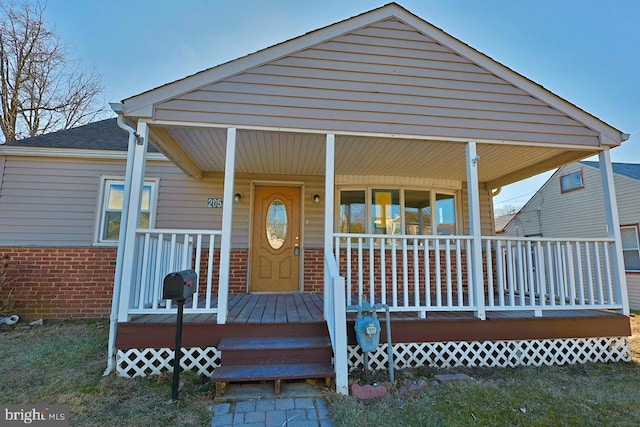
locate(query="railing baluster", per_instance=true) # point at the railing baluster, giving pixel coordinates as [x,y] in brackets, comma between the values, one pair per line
[144,280]
[196,267]
[447,250]
[436,253]
[394,275]
[570,269]
[598,273]
[540,268]
[405,272]
[427,273]
[530,266]
[371,272]
[348,256]
[589,274]
[360,272]
[416,274]
[459,273]
[500,272]
[210,262]
[580,279]
[520,272]
[490,289]
[383,272]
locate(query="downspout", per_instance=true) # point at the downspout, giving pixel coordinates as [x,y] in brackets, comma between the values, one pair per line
[118,108]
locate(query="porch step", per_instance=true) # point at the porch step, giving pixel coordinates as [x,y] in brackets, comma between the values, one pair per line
[273,358]
[275,350]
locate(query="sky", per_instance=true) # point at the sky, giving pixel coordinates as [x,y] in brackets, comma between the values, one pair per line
[586,51]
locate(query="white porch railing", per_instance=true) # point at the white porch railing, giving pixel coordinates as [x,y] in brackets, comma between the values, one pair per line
[335,313]
[433,273]
[546,274]
[160,252]
[406,272]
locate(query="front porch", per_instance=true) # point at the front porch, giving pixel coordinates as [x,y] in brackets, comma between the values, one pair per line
[443,339]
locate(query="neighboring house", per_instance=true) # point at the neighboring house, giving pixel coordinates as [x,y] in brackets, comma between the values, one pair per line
[570,204]
[356,162]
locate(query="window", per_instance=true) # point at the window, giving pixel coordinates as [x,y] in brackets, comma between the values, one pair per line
[397,211]
[571,182]
[111,208]
[630,248]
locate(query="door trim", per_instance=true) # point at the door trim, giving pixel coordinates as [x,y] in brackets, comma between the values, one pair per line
[267,183]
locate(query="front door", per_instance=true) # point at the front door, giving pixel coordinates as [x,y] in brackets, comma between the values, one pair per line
[275,241]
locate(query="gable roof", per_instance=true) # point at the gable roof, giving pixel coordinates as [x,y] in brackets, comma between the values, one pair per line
[143,105]
[630,170]
[100,135]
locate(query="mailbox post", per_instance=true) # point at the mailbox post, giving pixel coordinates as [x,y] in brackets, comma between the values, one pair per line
[179,286]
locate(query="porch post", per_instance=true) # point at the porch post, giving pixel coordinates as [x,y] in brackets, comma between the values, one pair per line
[329,185]
[134,187]
[227,224]
[613,229]
[475,228]
[340,351]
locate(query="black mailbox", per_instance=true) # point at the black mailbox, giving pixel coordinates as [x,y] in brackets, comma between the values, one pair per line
[180,285]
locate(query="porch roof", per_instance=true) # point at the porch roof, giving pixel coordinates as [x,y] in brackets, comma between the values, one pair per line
[399,93]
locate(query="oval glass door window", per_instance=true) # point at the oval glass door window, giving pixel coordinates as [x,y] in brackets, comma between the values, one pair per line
[276,224]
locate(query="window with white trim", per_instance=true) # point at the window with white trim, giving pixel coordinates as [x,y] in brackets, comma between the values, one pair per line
[397,211]
[630,247]
[110,212]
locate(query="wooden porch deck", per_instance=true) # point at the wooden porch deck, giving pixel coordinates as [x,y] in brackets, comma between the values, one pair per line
[296,314]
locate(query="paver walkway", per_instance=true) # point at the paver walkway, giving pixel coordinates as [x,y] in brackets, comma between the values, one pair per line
[272,412]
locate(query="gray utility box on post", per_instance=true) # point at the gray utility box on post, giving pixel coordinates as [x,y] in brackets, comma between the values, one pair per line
[180,285]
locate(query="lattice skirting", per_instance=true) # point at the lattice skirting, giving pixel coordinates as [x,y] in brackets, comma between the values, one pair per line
[496,353]
[151,361]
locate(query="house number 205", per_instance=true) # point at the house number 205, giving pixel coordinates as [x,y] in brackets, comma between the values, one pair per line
[214,202]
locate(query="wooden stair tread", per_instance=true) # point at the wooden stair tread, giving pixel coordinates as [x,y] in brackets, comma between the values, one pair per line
[288,371]
[273,343]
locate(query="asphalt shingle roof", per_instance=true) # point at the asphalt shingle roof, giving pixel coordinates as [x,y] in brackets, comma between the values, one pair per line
[630,170]
[100,135]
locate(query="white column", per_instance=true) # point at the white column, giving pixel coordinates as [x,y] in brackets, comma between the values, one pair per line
[227,224]
[475,228]
[133,188]
[613,229]
[329,184]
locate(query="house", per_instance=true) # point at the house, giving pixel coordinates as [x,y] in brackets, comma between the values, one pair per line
[570,204]
[352,164]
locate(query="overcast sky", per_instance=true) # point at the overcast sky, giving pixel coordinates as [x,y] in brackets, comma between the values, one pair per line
[586,51]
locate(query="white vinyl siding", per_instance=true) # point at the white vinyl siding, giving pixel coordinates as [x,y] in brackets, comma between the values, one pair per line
[383,78]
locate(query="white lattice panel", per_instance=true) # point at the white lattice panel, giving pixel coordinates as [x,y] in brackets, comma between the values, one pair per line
[152,361]
[496,353]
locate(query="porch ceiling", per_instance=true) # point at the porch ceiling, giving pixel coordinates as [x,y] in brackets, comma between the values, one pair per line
[262,152]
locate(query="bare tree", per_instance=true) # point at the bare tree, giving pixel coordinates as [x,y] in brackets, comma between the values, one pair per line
[42,89]
[506,210]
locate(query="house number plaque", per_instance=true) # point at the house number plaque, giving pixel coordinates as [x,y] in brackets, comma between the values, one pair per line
[214,202]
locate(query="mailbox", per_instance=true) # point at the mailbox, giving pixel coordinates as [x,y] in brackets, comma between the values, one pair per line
[180,285]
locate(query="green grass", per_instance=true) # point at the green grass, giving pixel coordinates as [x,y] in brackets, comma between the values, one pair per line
[63,363]
[572,395]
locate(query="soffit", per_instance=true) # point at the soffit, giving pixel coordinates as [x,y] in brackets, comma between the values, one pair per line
[284,153]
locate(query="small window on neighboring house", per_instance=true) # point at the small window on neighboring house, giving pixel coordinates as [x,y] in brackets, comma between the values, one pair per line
[111,209]
[630,248]
[571,182]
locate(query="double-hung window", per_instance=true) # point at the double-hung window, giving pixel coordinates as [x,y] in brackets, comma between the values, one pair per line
[395,211]
[111,204]
[630,247]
